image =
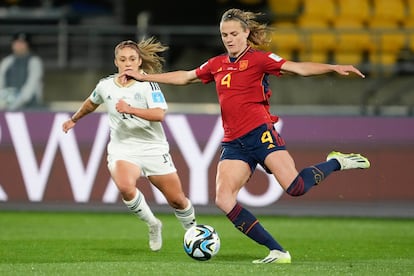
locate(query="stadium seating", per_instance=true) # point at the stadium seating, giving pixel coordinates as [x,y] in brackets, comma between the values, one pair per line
[315,24]
[283,8]
[387,47]
[410,7]
[353,10]
[408,22]
[347,31]
[353,46]
[385,27]
[385,10]
[287,42]
[320,44]
[317,10]
[354,42]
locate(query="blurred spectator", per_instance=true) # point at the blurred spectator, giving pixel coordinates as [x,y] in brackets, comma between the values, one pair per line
[21,76]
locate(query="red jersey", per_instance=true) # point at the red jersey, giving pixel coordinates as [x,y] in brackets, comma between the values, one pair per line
[242,88]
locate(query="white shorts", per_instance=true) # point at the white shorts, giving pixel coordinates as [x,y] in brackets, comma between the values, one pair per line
[150,165]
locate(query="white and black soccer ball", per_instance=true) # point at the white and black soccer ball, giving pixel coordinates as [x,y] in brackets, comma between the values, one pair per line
[201,242]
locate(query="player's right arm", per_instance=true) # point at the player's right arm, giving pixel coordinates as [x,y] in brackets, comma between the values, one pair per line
[87,107]
[180,77]
[313,68]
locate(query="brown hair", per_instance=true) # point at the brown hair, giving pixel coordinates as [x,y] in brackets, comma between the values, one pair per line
[259,32]
[148,50]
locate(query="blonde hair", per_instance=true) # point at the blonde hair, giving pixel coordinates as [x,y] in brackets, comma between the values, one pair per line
[148,49]
[259,32]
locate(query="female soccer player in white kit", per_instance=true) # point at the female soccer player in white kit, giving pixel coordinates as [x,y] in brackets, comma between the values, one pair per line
[138,144]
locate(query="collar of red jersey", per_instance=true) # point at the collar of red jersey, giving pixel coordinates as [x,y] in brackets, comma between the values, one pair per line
[241,54]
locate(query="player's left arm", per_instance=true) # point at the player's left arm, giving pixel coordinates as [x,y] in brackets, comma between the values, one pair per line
[313,68]
[87,107]
[149,114]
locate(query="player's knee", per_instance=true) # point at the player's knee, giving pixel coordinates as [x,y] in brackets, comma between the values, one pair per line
[127,192]
[178,203]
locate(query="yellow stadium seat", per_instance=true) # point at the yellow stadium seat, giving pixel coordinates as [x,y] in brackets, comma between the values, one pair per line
[387,46]
[353,40]
[283,7]
[352,46]
[312,22]
[324,9]
[395,43]
[313,11]
[317,34]
[388,40]
[410,8]
[409,19]
[320,44]
[286,42]
[381,23]
[358,40]
[323,40]
[283,24]
[357,10]
[409,23]
[346,23]
[315,56]
[353,58]
[383,59]
[394,10]
[319,38]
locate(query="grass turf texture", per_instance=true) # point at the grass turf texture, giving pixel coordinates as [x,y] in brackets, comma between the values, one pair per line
[65,243]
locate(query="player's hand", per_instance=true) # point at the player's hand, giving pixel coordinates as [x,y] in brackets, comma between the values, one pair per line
[346,69]
[66,126]
[129,74]
[123,107]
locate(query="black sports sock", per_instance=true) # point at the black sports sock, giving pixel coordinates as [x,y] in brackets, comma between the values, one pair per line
[249,225]
[311,176]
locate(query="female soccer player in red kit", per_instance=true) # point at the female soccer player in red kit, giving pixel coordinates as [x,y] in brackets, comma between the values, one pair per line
[241,77]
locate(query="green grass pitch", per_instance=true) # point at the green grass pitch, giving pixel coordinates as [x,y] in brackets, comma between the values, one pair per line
[71,243]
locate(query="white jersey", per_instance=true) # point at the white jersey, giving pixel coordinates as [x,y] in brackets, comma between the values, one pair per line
[131,135]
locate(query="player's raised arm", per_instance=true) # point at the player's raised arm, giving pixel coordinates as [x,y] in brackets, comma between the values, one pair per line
[313,68]
[180,77]
[87,107]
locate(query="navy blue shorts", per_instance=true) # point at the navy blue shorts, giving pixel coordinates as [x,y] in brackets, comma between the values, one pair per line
[254,146]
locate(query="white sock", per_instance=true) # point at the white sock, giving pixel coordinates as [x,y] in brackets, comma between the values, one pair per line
[140,208]
[186,216]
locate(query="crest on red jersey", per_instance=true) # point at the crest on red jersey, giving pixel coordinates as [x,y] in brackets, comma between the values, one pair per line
[243,65]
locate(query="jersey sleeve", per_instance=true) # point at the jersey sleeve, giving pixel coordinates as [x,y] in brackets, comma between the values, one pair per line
[96,96]
[272,63]
[204,72]
[155,97]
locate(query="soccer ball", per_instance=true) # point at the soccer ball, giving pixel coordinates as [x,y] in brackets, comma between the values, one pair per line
[201,242]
